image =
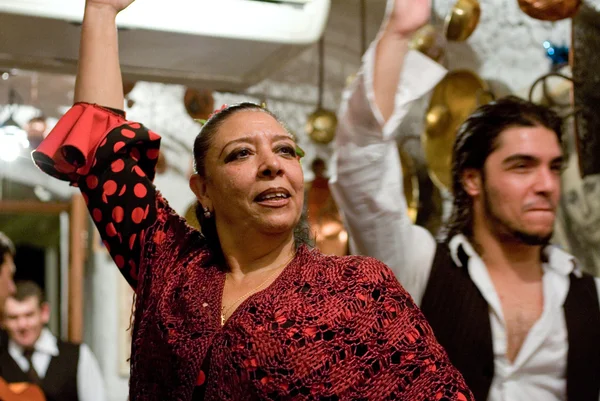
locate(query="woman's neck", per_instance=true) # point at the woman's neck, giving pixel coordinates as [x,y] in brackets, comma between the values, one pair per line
[248,252]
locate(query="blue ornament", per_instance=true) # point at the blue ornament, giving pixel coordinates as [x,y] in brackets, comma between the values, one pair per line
[559,55]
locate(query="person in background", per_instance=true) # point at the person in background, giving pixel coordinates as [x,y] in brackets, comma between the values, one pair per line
[7,285]
[244,310]
[517,316]
[64,371]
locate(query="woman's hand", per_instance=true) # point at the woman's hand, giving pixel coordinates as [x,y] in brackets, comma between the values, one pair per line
[408,16]
[114,5]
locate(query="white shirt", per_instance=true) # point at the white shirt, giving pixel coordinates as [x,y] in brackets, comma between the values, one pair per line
[90,385]
[367,186]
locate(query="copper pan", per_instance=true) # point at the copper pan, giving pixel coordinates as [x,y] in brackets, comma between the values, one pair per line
[550,10]
[452,101]
[462,20]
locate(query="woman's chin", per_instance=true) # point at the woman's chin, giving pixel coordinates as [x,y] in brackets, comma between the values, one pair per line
[277,226]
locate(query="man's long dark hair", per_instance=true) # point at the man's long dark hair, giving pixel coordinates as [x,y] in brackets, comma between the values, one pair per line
[477,138]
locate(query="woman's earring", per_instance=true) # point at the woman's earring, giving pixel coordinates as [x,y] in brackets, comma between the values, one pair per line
[207,213]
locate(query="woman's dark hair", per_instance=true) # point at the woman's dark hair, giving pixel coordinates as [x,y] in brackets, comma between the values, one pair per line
[203,141]
[6,247]
[477,138]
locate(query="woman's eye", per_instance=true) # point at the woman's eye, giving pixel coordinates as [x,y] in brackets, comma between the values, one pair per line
[287,150]
[237,154]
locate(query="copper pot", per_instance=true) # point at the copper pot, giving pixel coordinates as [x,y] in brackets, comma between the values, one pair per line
[549,10]
[462,20]
[321,126]
[199,104]
[452,101]
[430,42]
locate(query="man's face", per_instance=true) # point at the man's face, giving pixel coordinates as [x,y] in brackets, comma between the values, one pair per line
[7,285]
[520,186]
[24,320]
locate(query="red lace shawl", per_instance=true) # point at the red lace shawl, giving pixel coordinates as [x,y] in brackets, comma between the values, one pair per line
[329,328]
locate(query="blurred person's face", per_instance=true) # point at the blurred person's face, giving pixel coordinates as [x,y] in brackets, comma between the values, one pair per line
[24,320]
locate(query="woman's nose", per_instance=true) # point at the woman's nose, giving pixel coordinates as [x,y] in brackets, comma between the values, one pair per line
[270,167]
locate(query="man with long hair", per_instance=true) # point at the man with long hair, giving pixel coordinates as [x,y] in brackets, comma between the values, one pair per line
[516,315]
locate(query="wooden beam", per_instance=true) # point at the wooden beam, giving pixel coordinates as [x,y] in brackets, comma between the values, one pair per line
[28,206]
[77,257]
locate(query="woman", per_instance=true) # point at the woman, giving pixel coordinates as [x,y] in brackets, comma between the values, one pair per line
[245,311]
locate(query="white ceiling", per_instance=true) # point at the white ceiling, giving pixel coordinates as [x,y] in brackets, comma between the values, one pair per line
[52,92]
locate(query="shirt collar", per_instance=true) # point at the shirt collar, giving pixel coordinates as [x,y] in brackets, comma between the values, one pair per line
[560,261]
[46,344]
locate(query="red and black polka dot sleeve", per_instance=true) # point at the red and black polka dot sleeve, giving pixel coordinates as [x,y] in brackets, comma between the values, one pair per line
[112,161]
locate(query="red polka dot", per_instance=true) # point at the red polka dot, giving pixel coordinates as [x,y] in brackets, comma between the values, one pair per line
[137,215]
[140,190]
[135,125]
[119,261]
[142,237]
[97,215]
[117,214]
[91,181]
[153,135]
[110,187]
[118,146]
[111,231]
[117,165]
[201,378]
[132,241]
[152,154]
[139,171]
[135,154]
[122,190]
[127,133]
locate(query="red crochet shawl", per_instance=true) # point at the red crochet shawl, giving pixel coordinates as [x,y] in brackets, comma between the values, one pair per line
[328,328]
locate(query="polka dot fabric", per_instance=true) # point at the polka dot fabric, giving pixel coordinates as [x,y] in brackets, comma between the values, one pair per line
[112,161]
[328,328]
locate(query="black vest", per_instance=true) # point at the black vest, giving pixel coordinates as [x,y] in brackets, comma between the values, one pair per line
[60,382]
[459,316]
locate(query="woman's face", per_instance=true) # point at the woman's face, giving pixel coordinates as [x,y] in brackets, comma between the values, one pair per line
[254,180]
[582,201]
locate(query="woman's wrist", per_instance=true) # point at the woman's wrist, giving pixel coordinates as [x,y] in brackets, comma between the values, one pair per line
[100,13]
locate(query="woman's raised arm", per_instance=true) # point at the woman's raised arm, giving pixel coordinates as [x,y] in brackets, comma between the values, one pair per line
[98,73]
